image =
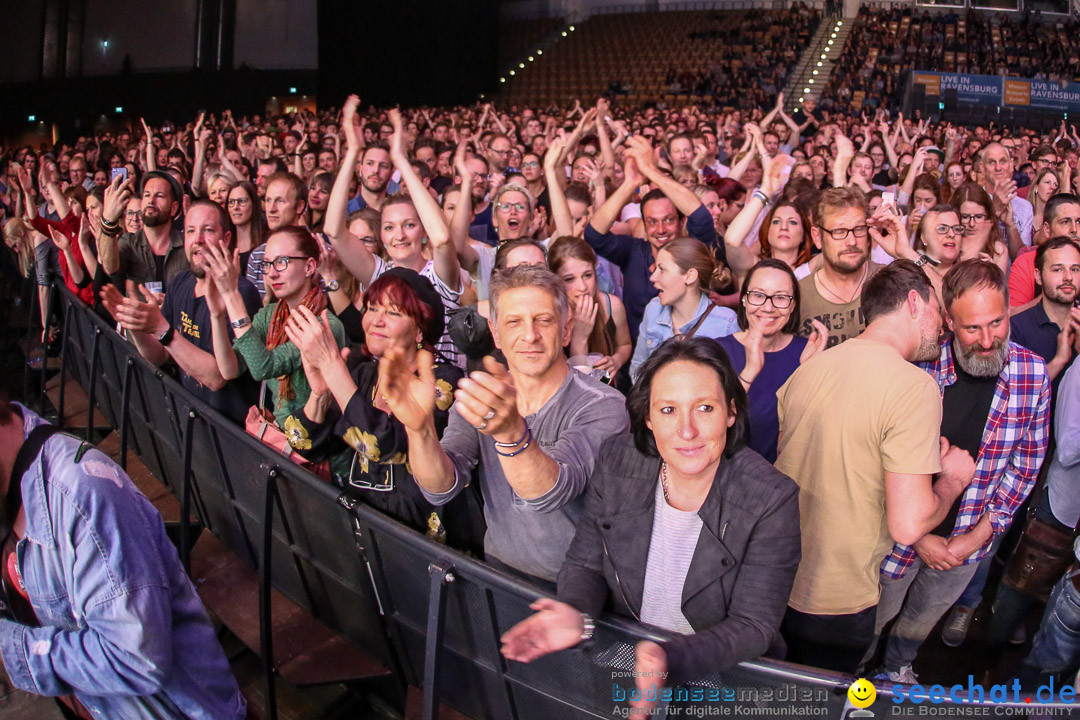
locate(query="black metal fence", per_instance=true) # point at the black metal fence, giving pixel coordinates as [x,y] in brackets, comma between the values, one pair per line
[428,613]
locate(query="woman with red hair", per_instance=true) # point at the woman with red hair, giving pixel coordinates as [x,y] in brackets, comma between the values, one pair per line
[347,420]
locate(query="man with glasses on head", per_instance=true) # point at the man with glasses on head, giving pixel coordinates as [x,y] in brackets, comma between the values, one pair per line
[832,295]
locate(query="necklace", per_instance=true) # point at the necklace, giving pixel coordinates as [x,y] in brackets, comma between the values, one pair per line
[838,296]
[664,482]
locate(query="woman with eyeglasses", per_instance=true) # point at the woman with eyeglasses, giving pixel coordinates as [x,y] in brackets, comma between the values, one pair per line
[532,169]
[767,350]
[982,234]
[246,212]
[290,270]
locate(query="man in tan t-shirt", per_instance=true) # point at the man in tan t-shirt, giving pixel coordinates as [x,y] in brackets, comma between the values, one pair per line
[859,434]
[832,295]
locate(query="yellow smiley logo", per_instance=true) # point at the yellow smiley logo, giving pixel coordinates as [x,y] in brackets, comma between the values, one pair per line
[862,693]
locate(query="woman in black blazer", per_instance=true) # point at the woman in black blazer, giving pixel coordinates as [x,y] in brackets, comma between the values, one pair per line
[684,528]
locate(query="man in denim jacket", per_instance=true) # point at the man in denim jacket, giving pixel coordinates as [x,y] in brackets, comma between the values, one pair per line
[105,611]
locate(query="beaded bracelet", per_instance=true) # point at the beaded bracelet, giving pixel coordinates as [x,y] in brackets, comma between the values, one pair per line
[516,442]
[520,450]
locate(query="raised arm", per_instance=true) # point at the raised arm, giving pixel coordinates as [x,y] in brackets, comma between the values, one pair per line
[606,215]
[463,213]
[50,179]
[444,254]
[560,209]
[683,198]
[198,172]
[353,254]
[606,151]
[151,151]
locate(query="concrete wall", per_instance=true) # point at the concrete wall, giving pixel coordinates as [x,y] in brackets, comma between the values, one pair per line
[278,34]
[20,37]
[157,35]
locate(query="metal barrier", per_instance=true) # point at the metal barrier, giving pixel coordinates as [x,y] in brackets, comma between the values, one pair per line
[430,614]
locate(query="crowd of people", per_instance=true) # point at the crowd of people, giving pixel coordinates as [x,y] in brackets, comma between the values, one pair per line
[885,45]
[766,382]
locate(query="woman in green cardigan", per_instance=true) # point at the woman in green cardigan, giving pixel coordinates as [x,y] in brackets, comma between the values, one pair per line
[261,346]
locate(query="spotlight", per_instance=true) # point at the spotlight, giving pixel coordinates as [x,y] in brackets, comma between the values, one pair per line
[815,72]
[564,33]
[502,79]
[521,65]
[539,52]
[513,72]
[31,118]
[531,58]
[819,63]
[572,28]
[811,81]
[119,109]
[292,91]
[806,90]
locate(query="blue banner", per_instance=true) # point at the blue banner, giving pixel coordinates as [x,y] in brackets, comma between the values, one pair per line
[1001,91]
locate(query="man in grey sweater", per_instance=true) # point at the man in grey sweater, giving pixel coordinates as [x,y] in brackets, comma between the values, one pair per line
[533,432]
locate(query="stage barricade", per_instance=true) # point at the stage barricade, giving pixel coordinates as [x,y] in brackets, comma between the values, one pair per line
[430,614]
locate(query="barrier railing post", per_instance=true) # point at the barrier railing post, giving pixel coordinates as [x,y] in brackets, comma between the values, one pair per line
[64,334]
[440,576]
[125,414]
[31,323]
[185,493]
[45,346]
[266,628]
[92,380]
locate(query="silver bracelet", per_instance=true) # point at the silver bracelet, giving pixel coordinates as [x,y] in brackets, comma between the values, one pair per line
[588,629]
[239,323]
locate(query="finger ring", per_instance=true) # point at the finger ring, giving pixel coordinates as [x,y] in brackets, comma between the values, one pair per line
[490,414]
[481,426]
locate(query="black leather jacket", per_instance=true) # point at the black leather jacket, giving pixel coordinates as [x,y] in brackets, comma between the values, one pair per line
[737,587]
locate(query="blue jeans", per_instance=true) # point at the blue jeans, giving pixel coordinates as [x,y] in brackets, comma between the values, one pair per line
[1056,648]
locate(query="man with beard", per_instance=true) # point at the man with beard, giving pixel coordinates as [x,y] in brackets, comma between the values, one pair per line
[1051,326]
[832,294]
[284,204]
[154,255]
[859,435]
[181,327]
[1061,218]
[374,172]
[482,227]
[995,407]
[663,211]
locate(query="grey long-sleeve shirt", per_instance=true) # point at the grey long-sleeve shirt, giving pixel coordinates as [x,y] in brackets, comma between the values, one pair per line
[533,535]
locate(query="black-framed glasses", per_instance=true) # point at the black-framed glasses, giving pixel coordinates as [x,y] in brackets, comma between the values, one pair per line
[977,217]
[238,202]
[860,231]
[946,229]
[780,301]
[280,263]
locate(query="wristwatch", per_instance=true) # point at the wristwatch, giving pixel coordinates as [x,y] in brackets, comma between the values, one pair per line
[166,337]
[589,627]
[242,322]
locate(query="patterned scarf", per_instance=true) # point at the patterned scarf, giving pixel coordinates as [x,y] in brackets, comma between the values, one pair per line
[315,301]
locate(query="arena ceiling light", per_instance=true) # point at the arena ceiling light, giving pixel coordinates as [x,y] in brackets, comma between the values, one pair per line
[819,63]
[539,52]
[119,109]
[564,33]
[572,28]
[806,90]
[815,72]
[513,72]
[502,79]
[521,65]
[531,58]
[31,118]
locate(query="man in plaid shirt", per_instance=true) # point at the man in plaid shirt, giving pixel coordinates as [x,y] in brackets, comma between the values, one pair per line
[996,405]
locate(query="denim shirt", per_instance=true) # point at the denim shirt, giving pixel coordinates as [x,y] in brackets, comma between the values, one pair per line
[656,328]
[121,625]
